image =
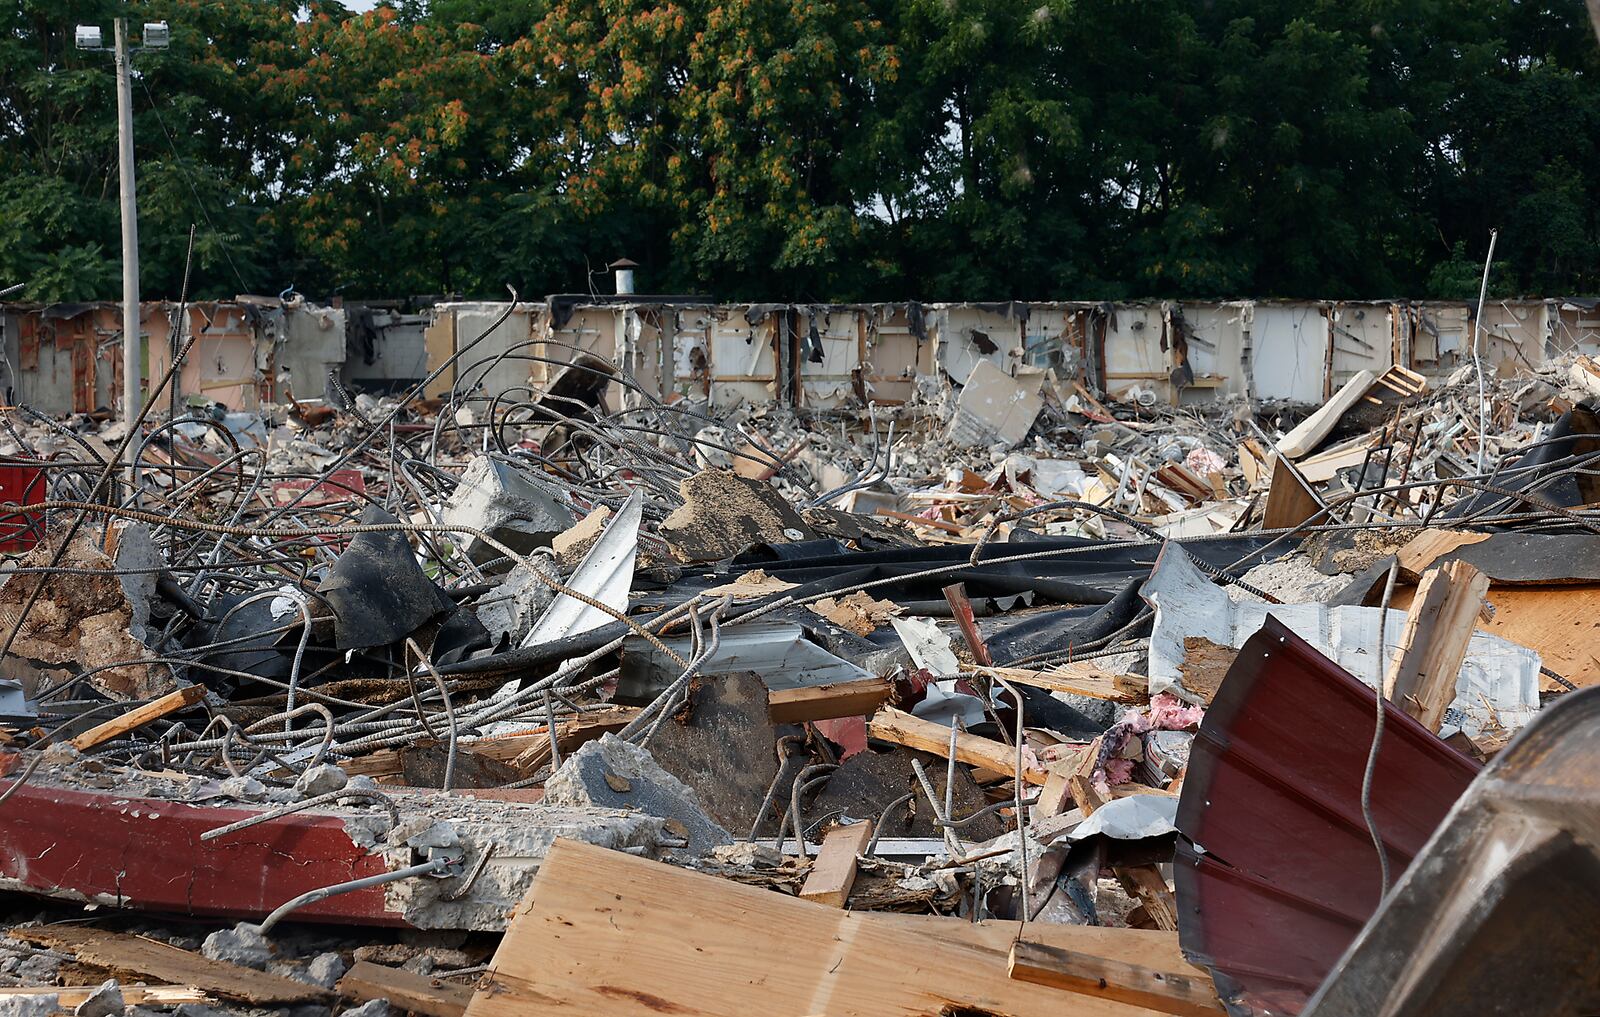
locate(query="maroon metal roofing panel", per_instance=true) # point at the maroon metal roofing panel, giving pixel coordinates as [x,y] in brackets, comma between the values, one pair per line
[1275,870]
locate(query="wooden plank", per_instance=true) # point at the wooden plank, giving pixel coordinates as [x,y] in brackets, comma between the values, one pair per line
[1185,990]
[1310,431]
[139,716]
[1080,782]
[136,955]
[1205,664]
[404,989]
[825,702]
[72,996]
[956,596]
[1422,677]
[1083,678]
[1289,501]
[1147,884]
[606,934]
[834,871]
[901,728]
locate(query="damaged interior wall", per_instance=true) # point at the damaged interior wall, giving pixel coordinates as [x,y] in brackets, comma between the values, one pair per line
[66,358]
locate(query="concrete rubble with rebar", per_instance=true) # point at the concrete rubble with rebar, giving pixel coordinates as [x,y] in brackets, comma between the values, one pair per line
[327,673]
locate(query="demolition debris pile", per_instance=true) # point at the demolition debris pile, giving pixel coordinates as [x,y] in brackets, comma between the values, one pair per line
[1004,700]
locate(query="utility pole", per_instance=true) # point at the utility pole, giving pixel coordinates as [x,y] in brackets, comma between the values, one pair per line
[132,340]
[156,37]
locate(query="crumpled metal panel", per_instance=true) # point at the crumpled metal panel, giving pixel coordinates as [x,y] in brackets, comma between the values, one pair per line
[1275,870]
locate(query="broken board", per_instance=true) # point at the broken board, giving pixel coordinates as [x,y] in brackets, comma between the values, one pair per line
[136,955]
[606,934]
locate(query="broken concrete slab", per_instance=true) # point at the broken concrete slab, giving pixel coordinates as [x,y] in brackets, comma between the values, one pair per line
[512,505]
[612,773]
[722,743]
[723,513]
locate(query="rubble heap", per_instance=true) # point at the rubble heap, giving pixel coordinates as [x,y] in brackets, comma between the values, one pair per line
[480,705]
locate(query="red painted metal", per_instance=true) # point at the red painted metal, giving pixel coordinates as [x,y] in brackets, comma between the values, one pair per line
[21,483]
[339,486]
[1275,870]
[147,854]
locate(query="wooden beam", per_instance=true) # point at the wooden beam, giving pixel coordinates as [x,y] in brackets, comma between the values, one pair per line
[120,953]
[956,596]
[1084,678]
[901,728]
[834,871]
[139,716]
[1422,677]
[1310,431]
[1187,991]
[406,990]
[1147,884]
[825,702]
[570,736]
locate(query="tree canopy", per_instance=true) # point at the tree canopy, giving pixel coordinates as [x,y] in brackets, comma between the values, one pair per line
[817,150]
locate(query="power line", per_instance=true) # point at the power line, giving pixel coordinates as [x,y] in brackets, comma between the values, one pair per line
[188,179]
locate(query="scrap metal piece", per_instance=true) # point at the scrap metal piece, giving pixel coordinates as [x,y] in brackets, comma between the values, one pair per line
[1497,914]
[606,574]
[1275,870]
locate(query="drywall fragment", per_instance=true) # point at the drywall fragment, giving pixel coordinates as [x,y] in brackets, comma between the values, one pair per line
[995,408]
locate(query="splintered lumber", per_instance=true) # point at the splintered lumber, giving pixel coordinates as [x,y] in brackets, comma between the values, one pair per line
[825,702]
[901,728]
[139,716]
[534,749]
[1289,501]
[1147,884]
[834,871]
[607,934]
[1080,782]
[136,955]
[1083,678]
[1308,434]
[1422,678]
[1428,546]
[70,997]
[404,989]
[1165,983]
[1559,623]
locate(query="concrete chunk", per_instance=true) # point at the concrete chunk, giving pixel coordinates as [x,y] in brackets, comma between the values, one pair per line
[616,774]
[513,506]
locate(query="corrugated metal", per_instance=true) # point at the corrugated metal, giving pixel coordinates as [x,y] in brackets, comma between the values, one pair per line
[1275,870]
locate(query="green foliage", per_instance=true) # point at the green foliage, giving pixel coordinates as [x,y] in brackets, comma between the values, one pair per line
[813,149]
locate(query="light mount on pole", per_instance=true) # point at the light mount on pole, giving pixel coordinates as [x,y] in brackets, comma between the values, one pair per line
[157,37]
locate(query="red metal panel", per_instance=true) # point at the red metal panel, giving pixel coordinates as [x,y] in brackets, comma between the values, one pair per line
[1276,872]
[146,853]
[21,484]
